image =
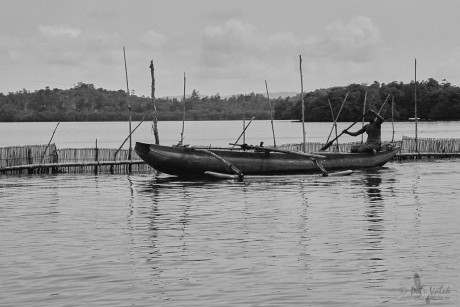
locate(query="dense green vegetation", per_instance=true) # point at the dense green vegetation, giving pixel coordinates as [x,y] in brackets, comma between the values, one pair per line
[435,101]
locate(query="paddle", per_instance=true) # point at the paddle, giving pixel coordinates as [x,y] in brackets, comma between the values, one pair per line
[312,157]
[332,142]
[299,153]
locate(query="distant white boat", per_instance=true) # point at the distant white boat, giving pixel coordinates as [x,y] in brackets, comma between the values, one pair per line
[413,118]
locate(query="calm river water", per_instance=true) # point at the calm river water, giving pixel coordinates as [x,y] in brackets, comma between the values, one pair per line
[141,240]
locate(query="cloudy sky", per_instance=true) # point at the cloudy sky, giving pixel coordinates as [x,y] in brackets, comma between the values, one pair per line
[226,47]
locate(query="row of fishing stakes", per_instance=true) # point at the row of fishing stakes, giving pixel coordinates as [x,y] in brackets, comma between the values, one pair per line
[335,119]
[154,108]
[303,108]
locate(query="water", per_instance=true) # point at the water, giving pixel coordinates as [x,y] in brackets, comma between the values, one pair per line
[218,133]
[141,240]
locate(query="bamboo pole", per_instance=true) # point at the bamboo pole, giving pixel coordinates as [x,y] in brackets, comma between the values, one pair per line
[183,118]
[41,160]
[96,158]
[271,114]
[334,125]
[364,113]
[33,167]
[386,99]
[129,106]
[332,110]
[244,120]
[142,120]
[303,104]
[155,115]
[242,133]
[392,118]
[286,151]
[415,103]
[333,120]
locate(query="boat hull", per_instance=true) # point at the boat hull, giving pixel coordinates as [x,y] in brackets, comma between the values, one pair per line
[189,161]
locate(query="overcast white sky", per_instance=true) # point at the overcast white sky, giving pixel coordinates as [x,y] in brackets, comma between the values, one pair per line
[226,47]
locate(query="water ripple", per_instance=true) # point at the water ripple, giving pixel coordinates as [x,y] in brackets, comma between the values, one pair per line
[270,241]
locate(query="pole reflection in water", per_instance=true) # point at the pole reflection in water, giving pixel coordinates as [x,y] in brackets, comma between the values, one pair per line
[374,215]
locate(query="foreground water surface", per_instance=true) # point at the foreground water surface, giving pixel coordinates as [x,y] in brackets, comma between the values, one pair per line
[146,240]
[141,240]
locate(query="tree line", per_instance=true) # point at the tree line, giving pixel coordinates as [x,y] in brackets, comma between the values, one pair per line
[84,102]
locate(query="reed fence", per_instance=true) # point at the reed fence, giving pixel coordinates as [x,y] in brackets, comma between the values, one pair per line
[28,154]
[407,145]
[49,159]
[430,145]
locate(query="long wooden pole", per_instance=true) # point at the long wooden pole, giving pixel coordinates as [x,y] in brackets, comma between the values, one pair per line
[47,146]
[129,106]
[415,108]
[386,99]
[364,113]
[334,125]
[155,115]
[292,152]
[271,114]
[135,128]
[341,107]
[392,118]
[244,120]
[242,133]
[183,118]
[304,149]
[333,120]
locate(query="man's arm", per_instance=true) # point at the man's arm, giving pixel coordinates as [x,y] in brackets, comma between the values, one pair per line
[360,131]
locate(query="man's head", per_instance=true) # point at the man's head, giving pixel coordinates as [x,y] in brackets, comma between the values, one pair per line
[370,117]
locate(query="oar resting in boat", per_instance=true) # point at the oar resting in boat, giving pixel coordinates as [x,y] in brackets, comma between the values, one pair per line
[268,149]
[311,156]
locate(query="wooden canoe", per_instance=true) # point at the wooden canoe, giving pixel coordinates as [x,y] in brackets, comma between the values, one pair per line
[192,161]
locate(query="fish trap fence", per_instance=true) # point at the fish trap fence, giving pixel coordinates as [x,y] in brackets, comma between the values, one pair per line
[28,154]
[85,159]
[407,145]
[429,145]
[49,159]
[66,155]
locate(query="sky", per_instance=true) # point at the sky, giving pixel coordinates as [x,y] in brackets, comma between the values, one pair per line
[226,47]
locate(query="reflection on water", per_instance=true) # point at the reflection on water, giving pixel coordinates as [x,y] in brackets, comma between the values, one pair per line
[285,240]
[375,206]
[373,239]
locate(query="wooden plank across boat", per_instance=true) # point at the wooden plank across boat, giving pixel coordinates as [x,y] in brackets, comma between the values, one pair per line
[194,161]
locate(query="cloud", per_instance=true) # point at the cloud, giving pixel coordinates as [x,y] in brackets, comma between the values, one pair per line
[446,66]
[9,48]
[242,44]
[59,30]
[231,43]
[153,39]
[358,40]
[235,51]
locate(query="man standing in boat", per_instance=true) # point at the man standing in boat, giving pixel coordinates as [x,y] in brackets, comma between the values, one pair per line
[374,134]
